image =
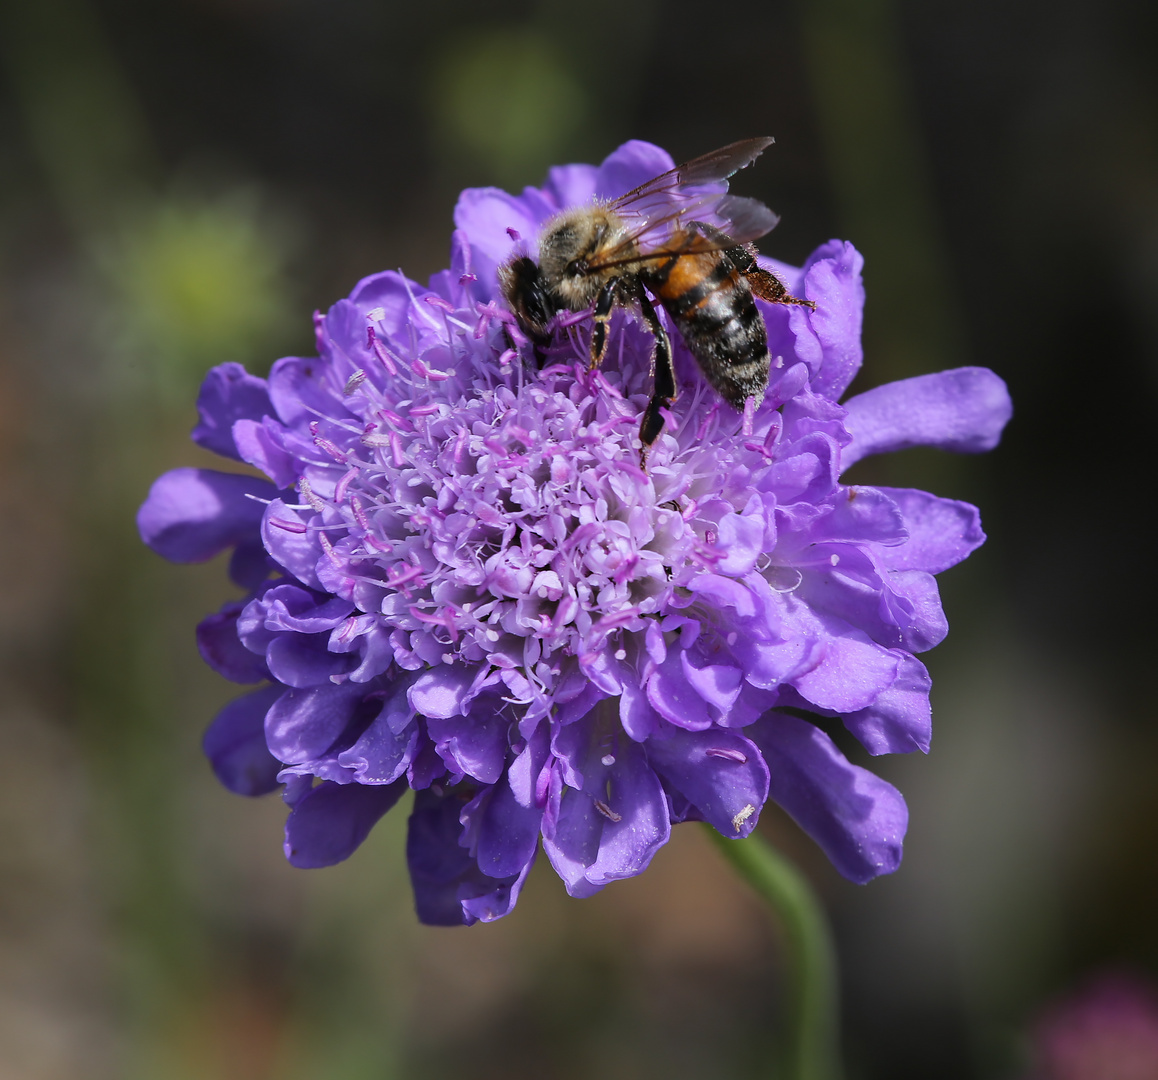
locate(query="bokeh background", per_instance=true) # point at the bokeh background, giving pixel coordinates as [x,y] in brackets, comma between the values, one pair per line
[183,183]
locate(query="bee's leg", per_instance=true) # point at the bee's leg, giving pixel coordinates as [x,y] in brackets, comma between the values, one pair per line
[769,287]
[763,283]
[539,348]
[664,385]
[604,306]
[539,343]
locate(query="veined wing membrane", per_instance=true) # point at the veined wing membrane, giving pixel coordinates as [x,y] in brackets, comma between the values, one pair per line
[722,163]
[687,243]
[713,168]
[694,191]
[738,220]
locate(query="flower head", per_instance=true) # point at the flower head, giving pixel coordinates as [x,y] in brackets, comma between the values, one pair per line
[1108,1030]
[462,581]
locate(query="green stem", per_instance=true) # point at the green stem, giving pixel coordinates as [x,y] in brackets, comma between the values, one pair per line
[810,1043]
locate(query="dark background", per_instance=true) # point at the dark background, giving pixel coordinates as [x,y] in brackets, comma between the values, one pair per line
[183,183]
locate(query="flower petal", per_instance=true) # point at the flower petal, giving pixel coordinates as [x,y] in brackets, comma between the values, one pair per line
[235,744]
[302,660]
[612,827]
[476,744]
[193,514]
[717,684]
[485,215]
[942,532]
[390,296]
[449,888]
[721,773]
[250,564]
[259,444]
[299,387]
[832,277]
[381,755]
[741,538]
[228,394]
[304,724]
[850,670]
[222,650]
[915,602]
[858,819]
[284,532]
[504,833]
[329,823]
[441,692]
[862,513]
[628,166]
[674,698]
[963,410]
[571,185]
[899,721]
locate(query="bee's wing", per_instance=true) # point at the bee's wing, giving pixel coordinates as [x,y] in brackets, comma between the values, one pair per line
[737,221]
[710,170]
[695,191]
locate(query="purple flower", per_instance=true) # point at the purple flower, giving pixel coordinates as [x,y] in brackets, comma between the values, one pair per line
[462,581]
[1107,1030]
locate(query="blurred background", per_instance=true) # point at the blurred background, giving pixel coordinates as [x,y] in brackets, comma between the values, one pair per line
[183,183]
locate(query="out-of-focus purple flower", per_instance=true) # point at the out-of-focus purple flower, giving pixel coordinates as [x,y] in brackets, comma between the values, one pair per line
[462,581]
[1107,1031]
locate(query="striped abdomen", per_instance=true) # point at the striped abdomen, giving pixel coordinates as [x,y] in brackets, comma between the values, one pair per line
[709,300]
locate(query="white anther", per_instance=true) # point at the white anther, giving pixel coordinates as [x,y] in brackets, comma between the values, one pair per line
[607,812]
[608,760]
[743,816]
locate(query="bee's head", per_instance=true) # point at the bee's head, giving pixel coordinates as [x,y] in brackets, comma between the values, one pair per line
[526,292]
[571,246]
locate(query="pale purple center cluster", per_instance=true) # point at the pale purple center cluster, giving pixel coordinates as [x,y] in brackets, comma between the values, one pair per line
[463,581]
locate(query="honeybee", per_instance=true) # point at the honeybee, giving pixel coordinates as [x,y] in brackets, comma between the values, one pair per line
[684,240]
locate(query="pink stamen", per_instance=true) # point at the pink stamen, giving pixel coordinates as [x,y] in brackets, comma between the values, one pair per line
[419,367]
[288,526]
[727,754]
[330,448]
[344,485]
[444,620]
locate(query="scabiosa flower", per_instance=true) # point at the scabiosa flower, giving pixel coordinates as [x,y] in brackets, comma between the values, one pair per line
[461,580]
[1108,1030]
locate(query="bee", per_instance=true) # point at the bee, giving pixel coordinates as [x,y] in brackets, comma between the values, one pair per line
[680,238]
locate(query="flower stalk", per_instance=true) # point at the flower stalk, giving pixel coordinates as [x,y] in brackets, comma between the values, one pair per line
[810,1040]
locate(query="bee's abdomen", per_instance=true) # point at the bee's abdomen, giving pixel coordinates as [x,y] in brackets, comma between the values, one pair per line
[710,302]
